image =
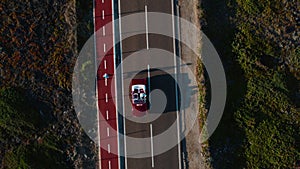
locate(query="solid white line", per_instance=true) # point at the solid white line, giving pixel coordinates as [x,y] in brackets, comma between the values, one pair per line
[105,65]
[106,114]
[152,154]
[116,102]
[103,31]
[179,36]
[124,118]
[103,14]
[106,97]
[105,80]
[104,47]
[124,125]
[173,29]
[148,67]
[108,148]
[109,164]
[97,106]
[146,19]
[176,79]
[174,52]
[107,130]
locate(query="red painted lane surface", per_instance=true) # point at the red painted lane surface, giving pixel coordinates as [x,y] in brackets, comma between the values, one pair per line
[107,109]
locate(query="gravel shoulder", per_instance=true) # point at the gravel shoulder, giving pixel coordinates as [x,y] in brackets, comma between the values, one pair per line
[195,155]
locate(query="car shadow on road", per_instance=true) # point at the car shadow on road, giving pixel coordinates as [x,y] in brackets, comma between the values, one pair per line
[167,84]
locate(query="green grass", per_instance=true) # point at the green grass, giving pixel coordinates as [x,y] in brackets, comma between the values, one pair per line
[266,111]
[39,156]
[15,116]
[260,125]
[19,121]
[271,145]
[270,131]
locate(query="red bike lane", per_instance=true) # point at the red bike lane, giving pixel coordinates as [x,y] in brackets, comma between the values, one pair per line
[108,157]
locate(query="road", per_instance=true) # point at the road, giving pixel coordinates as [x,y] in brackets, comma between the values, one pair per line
[107,89]
[159,80]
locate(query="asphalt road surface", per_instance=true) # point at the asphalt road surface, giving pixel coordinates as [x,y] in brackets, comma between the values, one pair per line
[162,80]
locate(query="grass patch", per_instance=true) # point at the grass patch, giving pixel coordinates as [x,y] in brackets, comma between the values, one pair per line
[260,125]
[20,125]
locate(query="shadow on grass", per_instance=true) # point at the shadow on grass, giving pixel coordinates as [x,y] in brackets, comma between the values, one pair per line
[225,143]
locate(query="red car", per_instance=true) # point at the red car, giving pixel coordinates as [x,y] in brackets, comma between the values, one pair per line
[138,94]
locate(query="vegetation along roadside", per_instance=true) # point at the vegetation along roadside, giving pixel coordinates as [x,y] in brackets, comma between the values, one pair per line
[258,42]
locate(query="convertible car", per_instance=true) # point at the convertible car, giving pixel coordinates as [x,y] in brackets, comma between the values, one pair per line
[138,95]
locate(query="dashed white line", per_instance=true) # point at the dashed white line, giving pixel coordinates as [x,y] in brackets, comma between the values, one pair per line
[109,164]
[106,97]
[152,154]
[106,114]
[104,47]
[102,1]
[103,14]
[105,80]
[107,130]
[146,19]
[103,31]
[104,64]
[108,148]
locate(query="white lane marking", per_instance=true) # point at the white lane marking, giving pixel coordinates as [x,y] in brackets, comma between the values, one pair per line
[102,1]
[116,92]
[103,31]
[124,117]
[176,80]
[108,148]
[106,97]
[146,19]
[107,131]
[106,114]
[152,156]
[104,47]
[105,79]
[122,82]
[97,106]
[179,36]
[109,164]
[103,14]
[148,67]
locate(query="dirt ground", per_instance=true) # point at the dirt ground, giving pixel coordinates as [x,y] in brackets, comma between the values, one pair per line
[195,158]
